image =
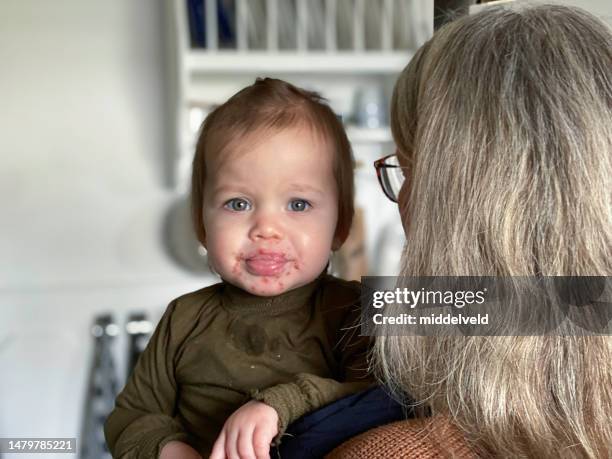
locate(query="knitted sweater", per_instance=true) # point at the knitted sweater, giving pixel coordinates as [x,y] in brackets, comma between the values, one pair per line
[218,347]
[422,438]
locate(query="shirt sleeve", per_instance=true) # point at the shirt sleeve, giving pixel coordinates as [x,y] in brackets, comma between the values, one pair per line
[306,394]
[142,421]
[309,392]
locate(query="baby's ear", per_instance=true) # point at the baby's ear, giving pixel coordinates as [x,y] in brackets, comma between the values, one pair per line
[339,239]
[342,232]
[201,236]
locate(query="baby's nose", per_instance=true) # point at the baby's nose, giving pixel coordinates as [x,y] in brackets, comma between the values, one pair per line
[266,226]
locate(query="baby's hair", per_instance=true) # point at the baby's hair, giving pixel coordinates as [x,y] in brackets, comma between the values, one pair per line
[270,105]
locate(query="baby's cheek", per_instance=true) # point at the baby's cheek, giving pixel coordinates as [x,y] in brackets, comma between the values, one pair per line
[314,256]
[314,244]
[223,258]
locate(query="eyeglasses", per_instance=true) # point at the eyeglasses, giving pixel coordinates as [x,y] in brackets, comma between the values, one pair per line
[390,176]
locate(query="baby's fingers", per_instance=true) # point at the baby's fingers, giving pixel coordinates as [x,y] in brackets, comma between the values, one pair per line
[245,443]
[231,443]
[262,438]
[218,451]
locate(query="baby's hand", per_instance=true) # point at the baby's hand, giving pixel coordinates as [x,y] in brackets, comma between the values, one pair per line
[247,433]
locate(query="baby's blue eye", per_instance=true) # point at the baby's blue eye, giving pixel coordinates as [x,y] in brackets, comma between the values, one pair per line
[237,205]
[298,205]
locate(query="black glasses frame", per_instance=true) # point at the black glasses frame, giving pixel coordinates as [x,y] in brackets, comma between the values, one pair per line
[380,164]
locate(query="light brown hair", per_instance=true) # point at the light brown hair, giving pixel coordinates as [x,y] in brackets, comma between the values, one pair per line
[266,106]
[505,120]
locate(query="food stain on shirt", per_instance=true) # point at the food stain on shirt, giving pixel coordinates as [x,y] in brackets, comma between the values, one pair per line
[249,338]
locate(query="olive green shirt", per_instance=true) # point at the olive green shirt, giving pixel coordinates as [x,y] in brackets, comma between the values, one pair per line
[218,347]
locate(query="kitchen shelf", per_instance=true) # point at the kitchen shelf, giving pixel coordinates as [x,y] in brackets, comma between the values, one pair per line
[369,135]
[204,62]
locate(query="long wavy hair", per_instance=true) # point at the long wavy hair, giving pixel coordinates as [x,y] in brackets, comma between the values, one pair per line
[505,121]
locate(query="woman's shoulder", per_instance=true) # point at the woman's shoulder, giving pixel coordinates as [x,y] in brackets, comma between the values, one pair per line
[425,438]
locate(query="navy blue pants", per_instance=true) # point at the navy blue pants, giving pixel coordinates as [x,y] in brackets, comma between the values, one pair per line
[317,433]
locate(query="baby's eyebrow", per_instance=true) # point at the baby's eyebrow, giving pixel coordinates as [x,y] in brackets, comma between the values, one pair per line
[305,188]
[233,188]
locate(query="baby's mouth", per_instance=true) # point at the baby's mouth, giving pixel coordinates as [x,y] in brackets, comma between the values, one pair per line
[266,263]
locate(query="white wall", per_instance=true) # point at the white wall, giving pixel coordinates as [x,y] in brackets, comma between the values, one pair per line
[82,194]
[82,139]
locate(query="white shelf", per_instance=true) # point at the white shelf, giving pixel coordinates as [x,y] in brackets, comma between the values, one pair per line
[291,62]
[369,135]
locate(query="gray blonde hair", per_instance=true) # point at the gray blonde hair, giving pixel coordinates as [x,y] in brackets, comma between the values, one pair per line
[505,118]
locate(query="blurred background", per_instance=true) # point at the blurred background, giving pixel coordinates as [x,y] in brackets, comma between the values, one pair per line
[100,103]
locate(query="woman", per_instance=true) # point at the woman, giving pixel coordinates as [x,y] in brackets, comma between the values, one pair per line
[503,124]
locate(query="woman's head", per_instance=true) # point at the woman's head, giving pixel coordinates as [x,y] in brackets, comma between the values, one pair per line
[504,121]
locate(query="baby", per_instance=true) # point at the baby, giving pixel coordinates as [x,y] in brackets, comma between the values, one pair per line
[230,366]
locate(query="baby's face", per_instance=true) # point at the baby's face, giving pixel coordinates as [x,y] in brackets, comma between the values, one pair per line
[270,211]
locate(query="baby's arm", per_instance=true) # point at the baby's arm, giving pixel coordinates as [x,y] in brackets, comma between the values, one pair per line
[248,432]
[142,421]
[306,394]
